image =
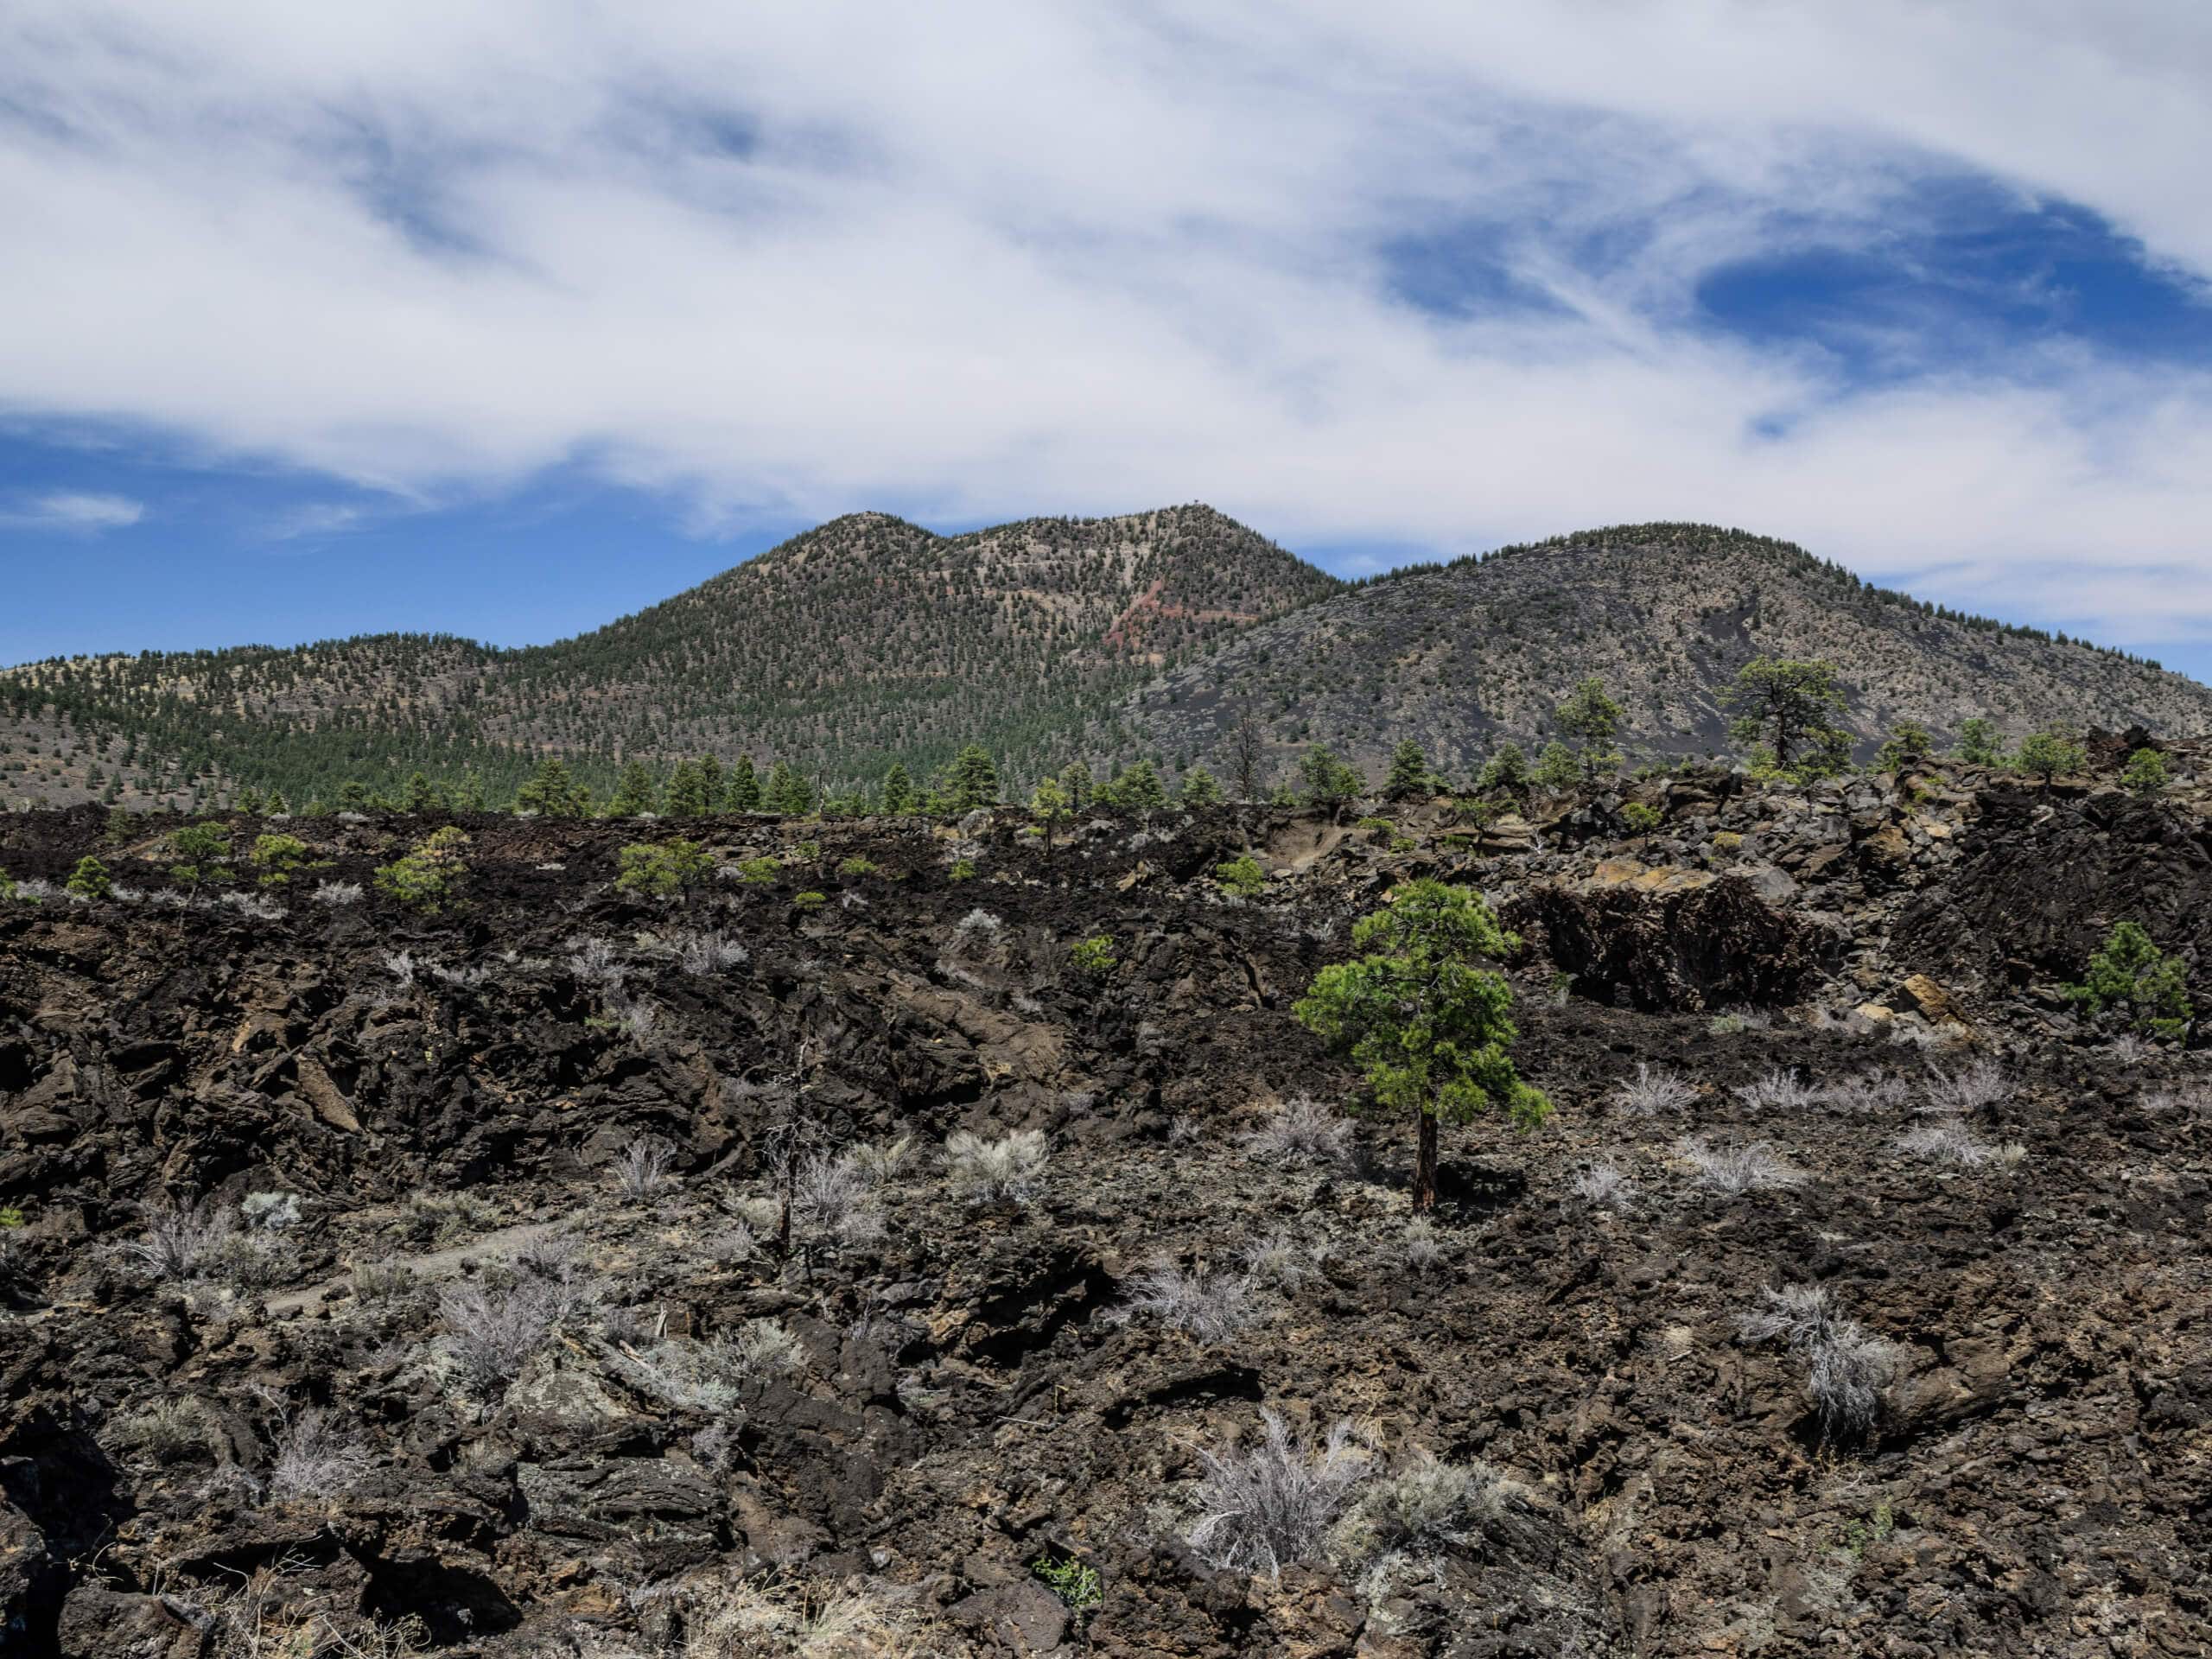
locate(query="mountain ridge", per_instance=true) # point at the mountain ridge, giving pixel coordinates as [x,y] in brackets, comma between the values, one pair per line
[869,639]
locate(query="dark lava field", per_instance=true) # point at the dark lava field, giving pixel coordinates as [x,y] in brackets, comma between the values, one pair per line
[847,1258]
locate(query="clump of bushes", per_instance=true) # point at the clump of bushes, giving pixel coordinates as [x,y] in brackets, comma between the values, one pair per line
[667,870]
[2131,976]
[987,1172]
[1846,1366]
[429,878]
[1241,876]
[279,858]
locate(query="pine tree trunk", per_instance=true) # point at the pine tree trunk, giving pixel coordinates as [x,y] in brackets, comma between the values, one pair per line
[1425,1165]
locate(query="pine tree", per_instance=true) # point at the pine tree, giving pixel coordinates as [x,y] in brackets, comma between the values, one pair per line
[1592,720]
[633,792]
[421,796]
[1408,775]
[1050,803]
[743,792]
[686,795]
[1199,789]
[1789,710]
[1081,790]
[1429,1026]
[712,784]
[1555,768]
[1328,781]
[1506,772]
[787,791]
[1135,788]
[897,790]
[552,793]
[971,780]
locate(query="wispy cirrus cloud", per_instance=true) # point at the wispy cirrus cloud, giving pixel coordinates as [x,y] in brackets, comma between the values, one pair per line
[70,510]
[1923,286]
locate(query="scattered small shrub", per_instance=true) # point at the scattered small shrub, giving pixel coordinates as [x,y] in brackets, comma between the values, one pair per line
[1846,1366]
[1653,1090]
[316,1459]
[1211,1307]
[1425,1508]
[987,1172]
[270,1212]
[833,1196]
[1639,817]
[181,1239]
[1605,1186]
[757,869]
[429,878]
[1424,1245]
[1094,956]
[1947,1142]
[858,866]
[884,1162]
[1871,1090]
[494,1331]
[1279,1262]
[963,870]
[336,895]
[810,900]
[1268,1506]
[1079,1587]
[1735,1170]
[279,858]
[643,1167]
[1969,1088]
[593,962]
[1779,1090]
[1733,1022]
[1303,1131]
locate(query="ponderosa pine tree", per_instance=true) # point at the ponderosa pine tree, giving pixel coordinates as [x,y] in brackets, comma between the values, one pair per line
[1426,1022]
[1327,780]
[552,793]
[1788,710]
[1199,789]
[1980,743]
[1506,772]
[1593,721]
[2046,753]
[1135,788]
[1082,789]
[897,790]
[634,792]
[713,785]
[686,794]
[743,790]
[971,781]
[1410,775]
[1050,803]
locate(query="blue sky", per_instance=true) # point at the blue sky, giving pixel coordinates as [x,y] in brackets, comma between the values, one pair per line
[502,322]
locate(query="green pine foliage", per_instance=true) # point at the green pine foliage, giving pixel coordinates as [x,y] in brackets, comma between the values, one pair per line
[2130,975]
[1429,1026]
[668,869]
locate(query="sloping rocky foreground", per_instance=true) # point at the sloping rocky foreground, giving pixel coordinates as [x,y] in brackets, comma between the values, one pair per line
[442,1360]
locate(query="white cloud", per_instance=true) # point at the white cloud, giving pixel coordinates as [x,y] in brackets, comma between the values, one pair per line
[68,510]
[996,258]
